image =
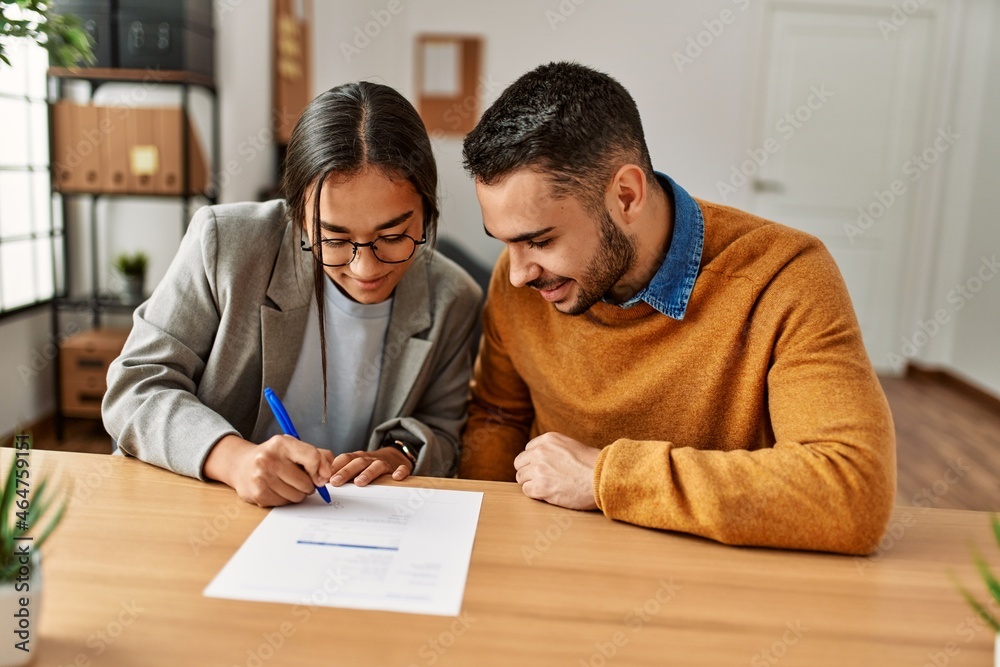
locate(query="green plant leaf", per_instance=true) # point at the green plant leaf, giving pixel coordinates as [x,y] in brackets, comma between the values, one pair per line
[992,585]
[996,527]
[979,609]
[61,34]
[51,526]
[6,535]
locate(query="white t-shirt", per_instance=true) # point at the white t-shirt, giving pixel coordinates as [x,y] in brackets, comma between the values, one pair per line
[355,336]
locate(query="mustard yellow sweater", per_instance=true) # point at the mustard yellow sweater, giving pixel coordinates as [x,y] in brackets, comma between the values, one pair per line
[755,420]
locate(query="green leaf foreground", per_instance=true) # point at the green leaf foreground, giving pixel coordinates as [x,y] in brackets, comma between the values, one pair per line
[62,35]
[41,520]
[992,584]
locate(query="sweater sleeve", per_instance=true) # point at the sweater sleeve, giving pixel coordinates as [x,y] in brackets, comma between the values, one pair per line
[827,484]
[500,413]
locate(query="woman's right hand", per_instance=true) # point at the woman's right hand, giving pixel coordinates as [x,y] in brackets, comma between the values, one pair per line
[279,471]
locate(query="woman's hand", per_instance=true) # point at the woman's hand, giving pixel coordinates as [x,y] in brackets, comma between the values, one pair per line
[279,471]
[364,467]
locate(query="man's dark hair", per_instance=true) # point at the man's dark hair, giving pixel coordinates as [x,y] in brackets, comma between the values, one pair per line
[576,125]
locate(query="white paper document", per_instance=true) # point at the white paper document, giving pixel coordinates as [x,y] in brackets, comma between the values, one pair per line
[390,548]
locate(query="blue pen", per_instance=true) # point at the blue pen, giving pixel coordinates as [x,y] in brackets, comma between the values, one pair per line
[286,425]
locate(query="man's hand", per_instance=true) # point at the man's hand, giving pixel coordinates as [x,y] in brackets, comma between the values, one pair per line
[279,471]
[559,470]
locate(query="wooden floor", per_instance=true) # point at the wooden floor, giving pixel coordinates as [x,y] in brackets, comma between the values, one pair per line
[948,444]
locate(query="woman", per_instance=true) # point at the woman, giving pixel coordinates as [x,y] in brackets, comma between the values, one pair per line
[366,335]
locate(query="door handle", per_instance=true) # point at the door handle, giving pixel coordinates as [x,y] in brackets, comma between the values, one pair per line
[770,186]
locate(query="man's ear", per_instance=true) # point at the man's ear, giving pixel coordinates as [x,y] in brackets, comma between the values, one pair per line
[629,192]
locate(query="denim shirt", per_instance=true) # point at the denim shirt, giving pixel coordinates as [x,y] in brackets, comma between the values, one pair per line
[670,289]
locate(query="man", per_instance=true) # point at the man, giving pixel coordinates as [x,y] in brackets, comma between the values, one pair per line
[674,363]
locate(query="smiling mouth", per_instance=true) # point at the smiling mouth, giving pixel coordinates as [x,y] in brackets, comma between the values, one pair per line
[555,292]
[369,284]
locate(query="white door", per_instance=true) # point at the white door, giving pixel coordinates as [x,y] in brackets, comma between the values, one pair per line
[846,144]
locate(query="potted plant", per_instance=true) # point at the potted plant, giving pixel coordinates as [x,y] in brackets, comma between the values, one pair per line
[27,518]
[62,35]
[993,586]
[132,269]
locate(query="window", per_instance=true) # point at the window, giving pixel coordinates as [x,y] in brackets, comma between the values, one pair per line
[28,236]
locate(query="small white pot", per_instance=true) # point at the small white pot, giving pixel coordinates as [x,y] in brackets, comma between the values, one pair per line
[19,623]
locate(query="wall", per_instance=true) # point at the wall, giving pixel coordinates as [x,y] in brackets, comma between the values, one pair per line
[26,393]
[976,350]
[697,120]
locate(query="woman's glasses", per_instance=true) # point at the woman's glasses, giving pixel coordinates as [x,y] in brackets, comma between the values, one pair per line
[391,249]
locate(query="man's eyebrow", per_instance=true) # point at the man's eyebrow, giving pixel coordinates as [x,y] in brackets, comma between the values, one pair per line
[337,229]
[521,238]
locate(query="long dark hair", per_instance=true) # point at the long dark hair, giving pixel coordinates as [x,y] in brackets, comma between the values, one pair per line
[347,129]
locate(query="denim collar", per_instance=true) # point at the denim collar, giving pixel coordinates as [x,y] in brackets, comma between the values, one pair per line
[670,289]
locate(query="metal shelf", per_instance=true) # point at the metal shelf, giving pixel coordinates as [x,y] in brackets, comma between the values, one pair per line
[123,75]
[99,304]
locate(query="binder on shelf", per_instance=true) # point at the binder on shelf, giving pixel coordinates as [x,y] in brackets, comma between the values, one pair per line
[168,137]
[65,176]
[169,123]
[114,149]
[88,145]
[125,150]
[77,147]
[143,152]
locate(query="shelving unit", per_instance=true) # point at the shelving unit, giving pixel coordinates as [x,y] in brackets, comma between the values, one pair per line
[98,304]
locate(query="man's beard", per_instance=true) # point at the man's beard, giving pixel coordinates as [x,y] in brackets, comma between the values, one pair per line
[613,260]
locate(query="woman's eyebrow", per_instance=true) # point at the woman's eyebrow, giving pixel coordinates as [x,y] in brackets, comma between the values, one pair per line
[337,229]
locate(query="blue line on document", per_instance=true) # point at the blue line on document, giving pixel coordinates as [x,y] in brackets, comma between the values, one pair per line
[349,546]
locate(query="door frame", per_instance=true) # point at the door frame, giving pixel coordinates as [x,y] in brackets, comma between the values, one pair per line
[923,265]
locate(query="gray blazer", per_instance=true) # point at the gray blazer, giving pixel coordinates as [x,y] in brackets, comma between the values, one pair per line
[229,318]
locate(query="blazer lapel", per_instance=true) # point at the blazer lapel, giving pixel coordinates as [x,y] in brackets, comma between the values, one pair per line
[283,320]
[403,355]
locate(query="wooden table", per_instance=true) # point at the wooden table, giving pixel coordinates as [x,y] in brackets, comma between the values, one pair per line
[124,574]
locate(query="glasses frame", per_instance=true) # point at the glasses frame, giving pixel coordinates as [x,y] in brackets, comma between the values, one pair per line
[370,244]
